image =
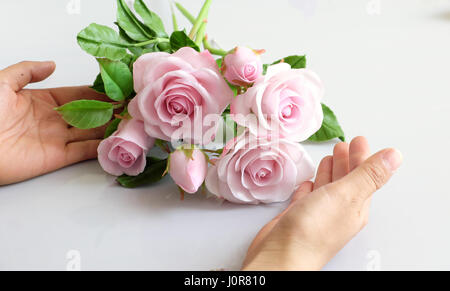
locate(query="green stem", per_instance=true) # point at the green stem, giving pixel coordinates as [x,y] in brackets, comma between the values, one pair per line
[185,12]
[174,18]
[206,44]
[201,34]
[200,19]
[117,106]
[156,40]
[214,51]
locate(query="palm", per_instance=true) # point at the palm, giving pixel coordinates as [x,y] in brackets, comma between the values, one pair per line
[308,209]
[34,138]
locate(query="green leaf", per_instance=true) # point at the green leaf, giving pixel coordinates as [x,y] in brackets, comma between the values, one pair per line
[219,62]
[180,39]
[164,47]
[117,78]
[296,62]
[153,173]
[112,127]
[86,114]
[151,19]
[124,35]
[127,60]
[265,66]
[136,51]
[103,42]
[330,127]
[98,84]
[139,51]
[130,24]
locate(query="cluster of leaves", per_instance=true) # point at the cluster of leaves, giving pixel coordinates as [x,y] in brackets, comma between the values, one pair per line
[116,52]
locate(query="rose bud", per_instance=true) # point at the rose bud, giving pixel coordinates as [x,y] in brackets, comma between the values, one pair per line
[188,168]
[242,67]
[125,152]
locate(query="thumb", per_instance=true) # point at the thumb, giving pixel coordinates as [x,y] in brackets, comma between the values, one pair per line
[19,75]
[371,175]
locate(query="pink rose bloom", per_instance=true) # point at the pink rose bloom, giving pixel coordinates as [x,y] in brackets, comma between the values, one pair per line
[188,172]
[255,170]
[286,100]
[125,151]
[173,90]
[242,67]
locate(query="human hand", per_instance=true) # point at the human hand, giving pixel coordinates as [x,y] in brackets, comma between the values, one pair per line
[34,139]
[323,217]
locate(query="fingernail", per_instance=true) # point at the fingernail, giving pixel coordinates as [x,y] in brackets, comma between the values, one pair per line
[392,158]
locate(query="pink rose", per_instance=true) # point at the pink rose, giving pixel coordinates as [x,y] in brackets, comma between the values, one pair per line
[125,151]
[174,90]
[286,100]
[242,67]
[253,170]
[188,172]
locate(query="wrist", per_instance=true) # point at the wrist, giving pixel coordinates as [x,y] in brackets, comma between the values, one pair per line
[286,256]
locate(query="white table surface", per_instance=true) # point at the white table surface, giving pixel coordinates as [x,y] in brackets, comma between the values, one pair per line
[386,67]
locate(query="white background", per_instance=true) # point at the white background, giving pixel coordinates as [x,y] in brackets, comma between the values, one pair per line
[386,67]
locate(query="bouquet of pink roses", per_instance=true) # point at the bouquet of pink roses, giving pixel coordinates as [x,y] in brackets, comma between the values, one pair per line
[230,123]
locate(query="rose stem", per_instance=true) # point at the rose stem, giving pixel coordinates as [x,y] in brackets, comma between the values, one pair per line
[200,18]
[206,44]
[174,18]
[185,12]
[201,33]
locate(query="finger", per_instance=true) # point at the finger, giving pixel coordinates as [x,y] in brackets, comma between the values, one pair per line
[81,151]
[19,75]
[324,172]
[76,134]
[370,175]
[340,160]
[68,94]
[359,152]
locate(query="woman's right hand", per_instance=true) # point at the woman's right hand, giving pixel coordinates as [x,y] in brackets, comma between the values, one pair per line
[325,215]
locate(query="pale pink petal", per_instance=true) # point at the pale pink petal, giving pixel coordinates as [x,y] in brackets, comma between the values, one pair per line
[141,66]
[197,60]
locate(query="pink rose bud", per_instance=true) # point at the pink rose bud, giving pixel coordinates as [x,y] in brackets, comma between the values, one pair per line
[125,151]
[242,67]
[188,168]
